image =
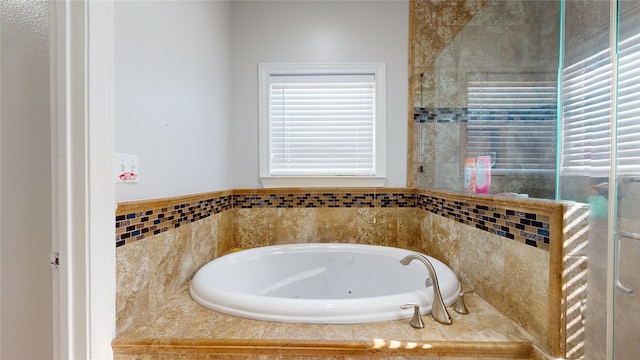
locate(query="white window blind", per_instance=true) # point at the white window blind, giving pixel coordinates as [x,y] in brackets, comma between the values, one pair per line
[629,106]
[515,123]
[322,125]
[586,113]
[586,88]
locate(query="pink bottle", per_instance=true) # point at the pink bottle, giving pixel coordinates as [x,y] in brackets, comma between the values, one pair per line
[470,175]
[483,174]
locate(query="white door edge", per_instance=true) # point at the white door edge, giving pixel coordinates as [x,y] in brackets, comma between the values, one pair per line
[83,197]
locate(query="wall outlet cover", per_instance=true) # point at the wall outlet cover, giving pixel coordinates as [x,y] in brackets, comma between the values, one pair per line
[126,168]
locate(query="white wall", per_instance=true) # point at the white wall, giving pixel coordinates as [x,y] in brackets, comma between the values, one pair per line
[186,81]
[316,31]
[25,240]
[172,61]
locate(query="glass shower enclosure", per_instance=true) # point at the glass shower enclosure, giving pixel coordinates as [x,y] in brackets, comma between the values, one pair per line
[550,91]
[599,163]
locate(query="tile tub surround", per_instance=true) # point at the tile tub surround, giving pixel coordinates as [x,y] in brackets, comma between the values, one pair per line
[394,217]
[180,328]
[504,217]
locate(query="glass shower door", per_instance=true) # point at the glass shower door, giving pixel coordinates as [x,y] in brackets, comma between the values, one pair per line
[626,296]
[600,150]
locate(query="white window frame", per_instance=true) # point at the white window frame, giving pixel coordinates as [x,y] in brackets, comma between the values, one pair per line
[265,70]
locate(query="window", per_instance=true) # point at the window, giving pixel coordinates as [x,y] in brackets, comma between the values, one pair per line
[629,106]
[322,125]
[586,133]
[514,123]
[586,99]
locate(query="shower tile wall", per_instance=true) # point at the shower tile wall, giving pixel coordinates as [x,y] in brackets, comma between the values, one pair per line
[494,40]
[474,235]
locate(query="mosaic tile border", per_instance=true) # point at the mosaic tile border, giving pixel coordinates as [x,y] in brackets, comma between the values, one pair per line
[453,115]
[138,225]
[528,228]
[321,200]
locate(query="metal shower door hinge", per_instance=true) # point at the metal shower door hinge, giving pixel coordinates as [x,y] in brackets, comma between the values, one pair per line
[54,262]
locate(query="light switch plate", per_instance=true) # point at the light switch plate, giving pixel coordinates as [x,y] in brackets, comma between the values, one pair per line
[126,168]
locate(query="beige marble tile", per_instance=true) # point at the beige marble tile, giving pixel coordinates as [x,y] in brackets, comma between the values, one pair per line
[408,234]
[295,225]
[337,225]
[526,287]
[309,357]
[410,358]
[469,358]
[208,324]
[436,25]
[253,228]
[182,318]
[217,357]
[447,143]
[427,138]
[386,225]
[377,226]
[427,244]
[482,264]
[202,243]
[132,279]
[225,231]
[136,357]
[287,331]
[366,219]
[207,232]
[170,263]
[446,242]
[399,330]
[441,236]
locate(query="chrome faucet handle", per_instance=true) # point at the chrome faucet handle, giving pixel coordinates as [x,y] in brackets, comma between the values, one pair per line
[461,307]
[438,309]
[416,320]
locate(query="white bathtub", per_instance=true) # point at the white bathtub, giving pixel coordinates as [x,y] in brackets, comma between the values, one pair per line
[320,283]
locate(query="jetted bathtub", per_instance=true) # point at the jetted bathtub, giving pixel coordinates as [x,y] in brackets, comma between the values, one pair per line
[321,283]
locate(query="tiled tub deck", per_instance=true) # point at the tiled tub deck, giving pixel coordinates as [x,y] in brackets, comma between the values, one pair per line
[182,329]
[495,245]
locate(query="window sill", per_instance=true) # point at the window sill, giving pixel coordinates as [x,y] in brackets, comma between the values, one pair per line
[321,181]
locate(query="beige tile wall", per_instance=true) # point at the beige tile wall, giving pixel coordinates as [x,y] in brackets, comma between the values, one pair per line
[514,277]
[150,270]
[511,276]
[377,226]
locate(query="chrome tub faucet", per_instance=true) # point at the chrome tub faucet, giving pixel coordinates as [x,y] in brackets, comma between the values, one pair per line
[438,310]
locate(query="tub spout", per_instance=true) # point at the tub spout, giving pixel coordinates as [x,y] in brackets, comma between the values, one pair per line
[438,310]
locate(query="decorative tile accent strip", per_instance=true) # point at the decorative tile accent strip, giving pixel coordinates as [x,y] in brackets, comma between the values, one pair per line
[439,114]
[138,225]
[325,200]
[528,228]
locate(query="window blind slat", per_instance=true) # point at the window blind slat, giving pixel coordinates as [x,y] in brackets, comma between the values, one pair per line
[322,125]
[586,113]
[629,106]
[515,121]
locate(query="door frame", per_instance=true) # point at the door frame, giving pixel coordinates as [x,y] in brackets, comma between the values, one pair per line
[83,200]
